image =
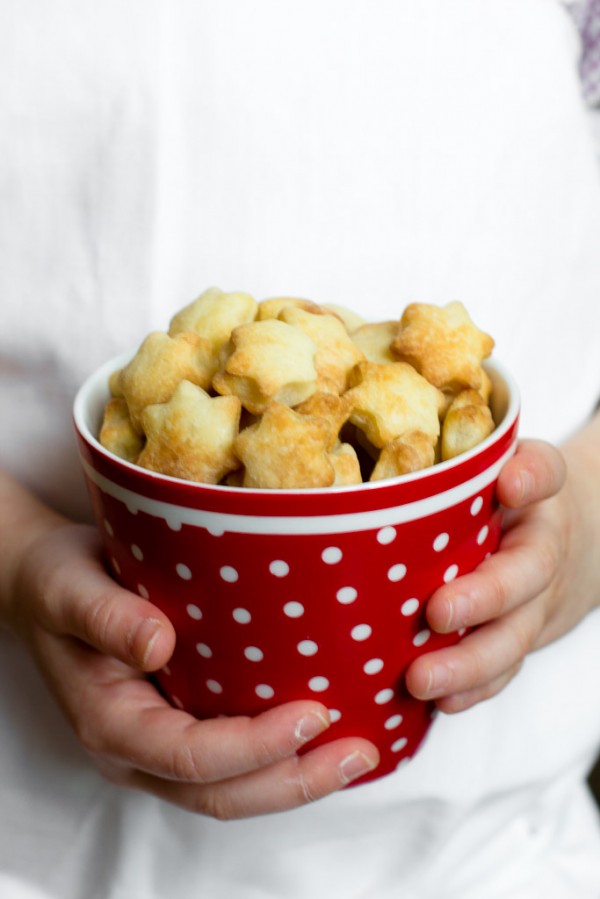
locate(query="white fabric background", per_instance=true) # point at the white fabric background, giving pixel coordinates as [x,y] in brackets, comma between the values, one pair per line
[363,153]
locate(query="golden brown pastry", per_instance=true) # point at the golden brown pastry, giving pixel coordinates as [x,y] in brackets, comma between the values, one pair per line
[117,433]
[389,400]
[272,307]
[468,421]
[214,315]
[411,452]
[270,360]
[334,409]
[345,464]
[375,340]
[191,436]
[286,450]
[159,365]
[336,353]
[443,344]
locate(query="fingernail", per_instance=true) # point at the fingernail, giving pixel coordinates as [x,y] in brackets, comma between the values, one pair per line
[354,766]
[526,485]
[311,726]
[439,681]
[144,639]
[459,611]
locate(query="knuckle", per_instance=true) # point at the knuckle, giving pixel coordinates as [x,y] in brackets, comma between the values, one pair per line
[218,804]
[99,617]
[496,593]
[187,765]
[90,737]
[548,558]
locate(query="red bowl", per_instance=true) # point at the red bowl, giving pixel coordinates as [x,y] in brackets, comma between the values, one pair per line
[278,595]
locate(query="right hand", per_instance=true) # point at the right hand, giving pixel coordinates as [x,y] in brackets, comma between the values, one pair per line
[94,642]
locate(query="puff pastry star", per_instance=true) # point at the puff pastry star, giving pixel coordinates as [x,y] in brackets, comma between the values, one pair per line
[389,400]
[444,345]
[192,435]
[117,433]
[214,315]
[336,353]
[286,450]
[270,360]
[159,365]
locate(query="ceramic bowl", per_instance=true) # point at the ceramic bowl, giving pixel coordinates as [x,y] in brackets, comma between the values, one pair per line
[279,595]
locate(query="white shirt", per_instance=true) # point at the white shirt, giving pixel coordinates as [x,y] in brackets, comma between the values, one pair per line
[361,153]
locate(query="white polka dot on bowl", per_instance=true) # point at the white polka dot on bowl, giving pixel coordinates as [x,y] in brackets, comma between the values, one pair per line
[393,722]
[229,574]
[242,616]
[421,638]
[441,542]
[183,571]
[399,745]
[214,686]
[254,654]
[373,666]
[450,573]
[332,555]
[203,650]
[279,568]
[307,648]
[386,535]
[361,632]
[483,535]
[318,684]
[346,595]
[477,506]
[264,691]
[384,696]
[137,552]
[293,609]
[194,612]
[410,606]
[396,572]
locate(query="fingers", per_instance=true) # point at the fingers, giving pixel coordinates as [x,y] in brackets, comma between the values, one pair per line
[287,784]
[480,665]
[75,597]
[227,767]
[536,471]
[116,623]
[524,566]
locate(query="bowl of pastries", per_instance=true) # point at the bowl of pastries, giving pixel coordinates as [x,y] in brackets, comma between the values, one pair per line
[290,484]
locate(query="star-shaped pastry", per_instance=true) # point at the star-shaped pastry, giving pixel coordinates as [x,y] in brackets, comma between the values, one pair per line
[286,450]
[334,409]
[214,315]
[270,360]
[336,353]
[443,344]
[375,340]
[389,400]
[411,452]
[159,365]
[192,435]
[117,433]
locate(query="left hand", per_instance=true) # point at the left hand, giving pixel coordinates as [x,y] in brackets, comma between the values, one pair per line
[517,599]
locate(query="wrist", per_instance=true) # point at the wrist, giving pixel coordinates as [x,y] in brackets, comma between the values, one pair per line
[23,521]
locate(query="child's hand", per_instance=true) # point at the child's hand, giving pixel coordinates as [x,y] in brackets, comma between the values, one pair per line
[93,641]
[532,591]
